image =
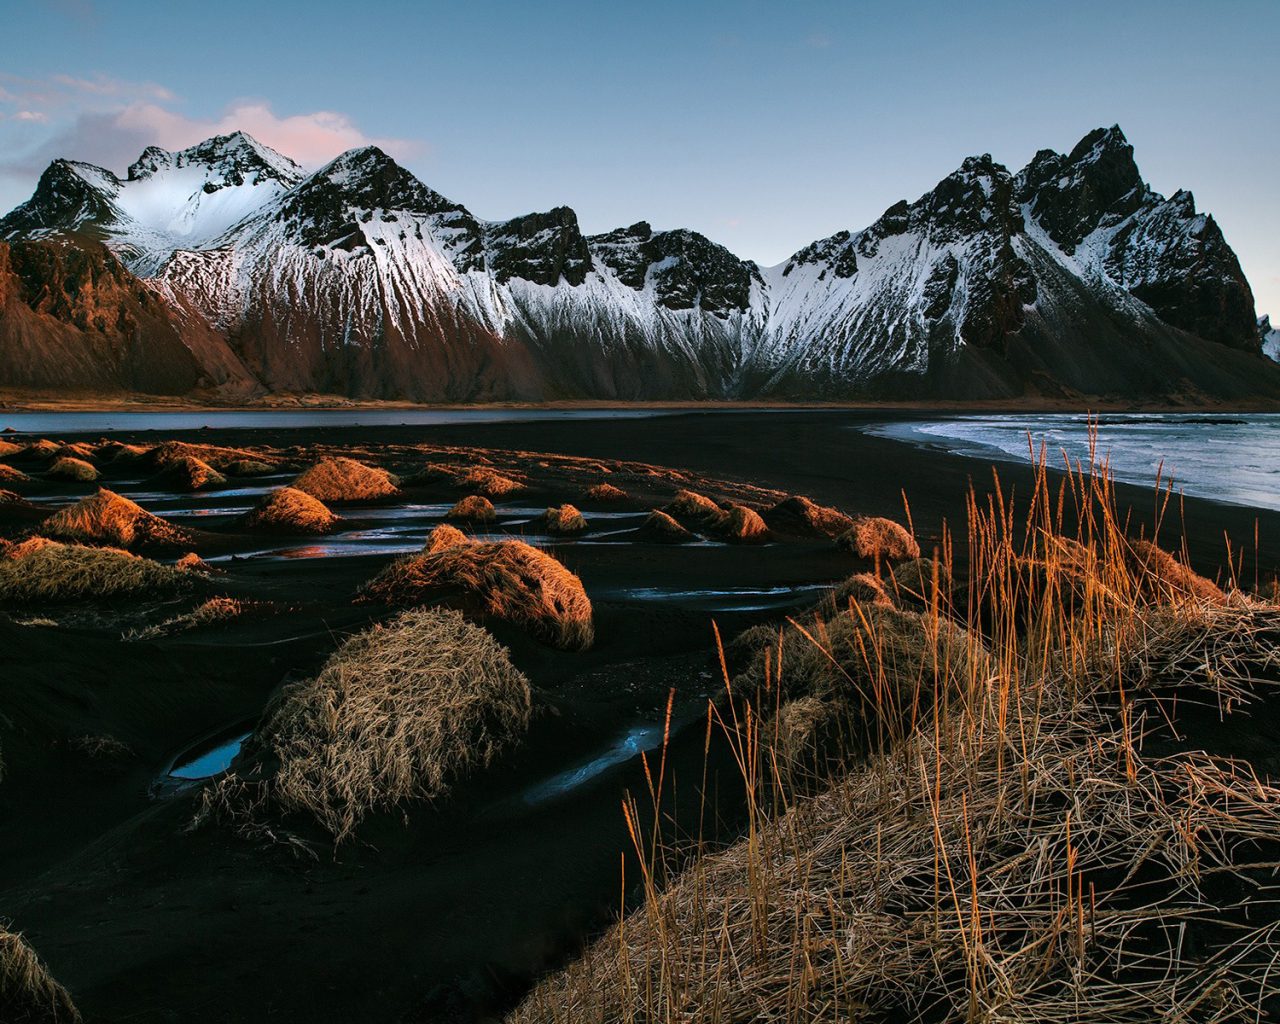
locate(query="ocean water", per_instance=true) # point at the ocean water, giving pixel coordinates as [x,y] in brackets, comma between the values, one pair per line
[1231,458]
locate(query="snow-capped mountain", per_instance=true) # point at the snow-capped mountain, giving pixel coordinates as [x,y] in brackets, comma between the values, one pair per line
[1069,277]
[1270,338]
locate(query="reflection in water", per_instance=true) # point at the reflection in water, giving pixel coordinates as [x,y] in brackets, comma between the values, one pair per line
[732,599]
[639,739]
[211,762]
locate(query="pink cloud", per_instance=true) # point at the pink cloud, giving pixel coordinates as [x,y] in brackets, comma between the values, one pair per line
[36,116]
[311,138]
[103,85]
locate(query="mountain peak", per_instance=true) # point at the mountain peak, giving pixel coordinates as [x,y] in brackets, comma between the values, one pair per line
[228,160]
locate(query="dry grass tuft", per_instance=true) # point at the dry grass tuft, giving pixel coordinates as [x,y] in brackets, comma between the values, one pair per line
[921,583]
[214,610]
[473,509]
[42,570]
[12,475]
[8,448]
[604,492]
[692,507]
[661,527]
[28,992]
[562,521]
[741,525]
[342,479]
[488,482]
[116,451]
[798,516]
[508,580]
[67,468]
[878,539]
[188,473]
[444,537]
[108,518]
[12,498]
[1164,580]
[289,510]
[248,467]
[860,588]
[397,714]
[42,450]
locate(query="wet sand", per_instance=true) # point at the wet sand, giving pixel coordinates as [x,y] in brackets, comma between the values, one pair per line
[447,916]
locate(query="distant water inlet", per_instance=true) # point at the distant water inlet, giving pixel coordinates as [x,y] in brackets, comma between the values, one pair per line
[634,742]
[1223,457]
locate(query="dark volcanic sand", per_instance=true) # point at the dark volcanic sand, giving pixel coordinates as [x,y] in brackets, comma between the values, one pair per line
[455,911]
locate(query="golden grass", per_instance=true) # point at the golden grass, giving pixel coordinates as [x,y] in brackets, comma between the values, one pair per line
[192,562]
[508,580]
[47,571]
[488,482]
[474,508]
[117,451]
[8,448]
[42,450]
[12,498]
[661,527]
[860,588]
[248,467]
[214,610]
[604,492]
[108,518]
[880,540]
[690,506]
[443,537]
[289,510]
[67,468]
[562,521]
[343,479]
[741,525]
[1006,851]
[801,517]
[1165,580]
[28,992]
[397,714]
[12,475]
[189,473]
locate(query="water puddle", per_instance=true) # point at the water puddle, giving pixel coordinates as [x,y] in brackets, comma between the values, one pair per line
[206,761]
[635,742]
[732,599]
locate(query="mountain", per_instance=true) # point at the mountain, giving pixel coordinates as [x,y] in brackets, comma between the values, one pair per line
[1071,277]
[1270,338]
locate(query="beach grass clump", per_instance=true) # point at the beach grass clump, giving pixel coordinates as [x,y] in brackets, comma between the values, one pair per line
[691,507]
[509,581]
[12,475]
[878,539]
[41,570]
[487,482]
[661,527]
[289,510]
[562,521]
[443,537]
[189,473]
[339,479]
[738,524]
[799,516]
[42,450]
[474,508]
[860,588]
[397,714]
[114,520]
[66,467]
[1163,579]
[604,492]
[921,583]
[29,994]
[248,467]
[118,451]
[214,610]
[8,448]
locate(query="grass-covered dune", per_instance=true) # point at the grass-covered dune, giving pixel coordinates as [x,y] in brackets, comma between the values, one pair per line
[1008,800]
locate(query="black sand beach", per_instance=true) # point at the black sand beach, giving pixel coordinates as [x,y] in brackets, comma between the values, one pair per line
[447,914]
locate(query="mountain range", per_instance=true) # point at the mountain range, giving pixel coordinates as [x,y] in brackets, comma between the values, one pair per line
[226,271]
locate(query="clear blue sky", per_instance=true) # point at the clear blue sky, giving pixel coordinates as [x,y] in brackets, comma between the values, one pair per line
[763,125]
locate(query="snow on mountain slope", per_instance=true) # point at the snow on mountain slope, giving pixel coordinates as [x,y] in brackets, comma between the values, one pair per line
[361,279]
[167,201]
[1270,338]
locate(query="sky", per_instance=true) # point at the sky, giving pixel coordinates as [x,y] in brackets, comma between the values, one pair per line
[762,125]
